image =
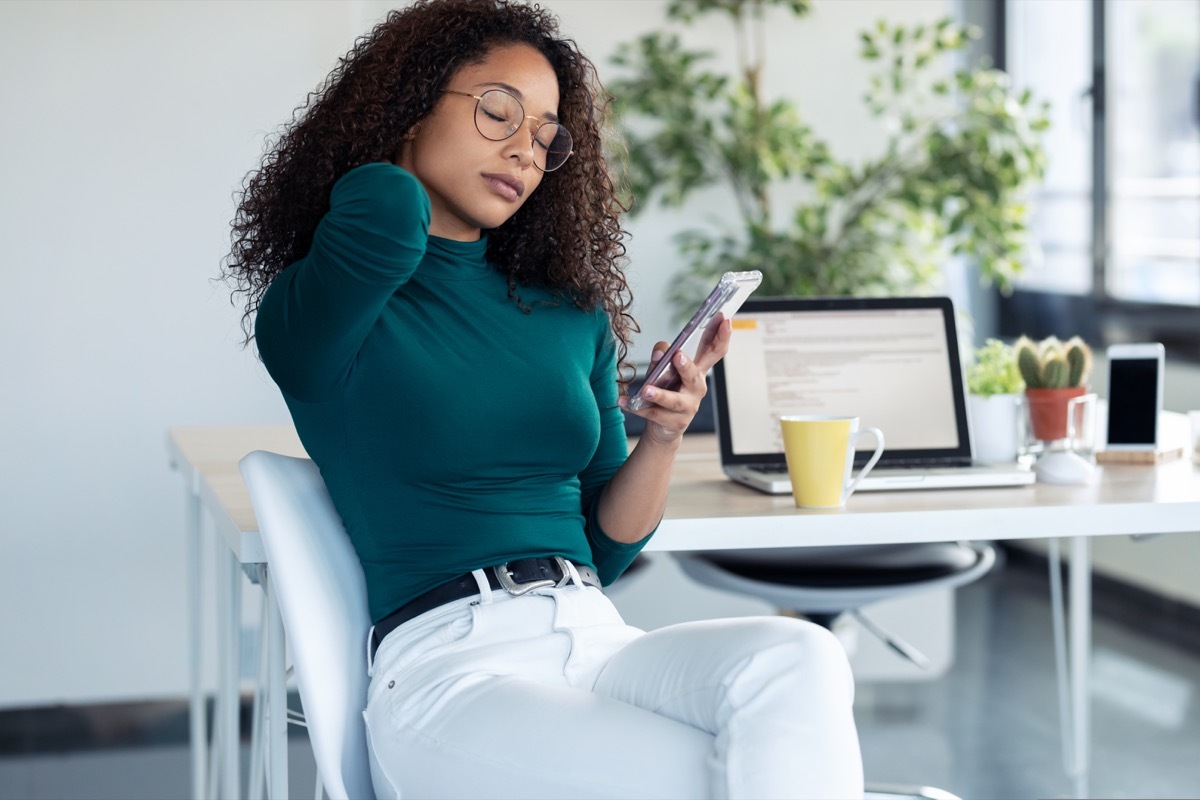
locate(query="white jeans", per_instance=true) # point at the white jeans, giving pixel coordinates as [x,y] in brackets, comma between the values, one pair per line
[552,695]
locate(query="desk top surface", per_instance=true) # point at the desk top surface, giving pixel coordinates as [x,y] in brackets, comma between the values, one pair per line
[707,511]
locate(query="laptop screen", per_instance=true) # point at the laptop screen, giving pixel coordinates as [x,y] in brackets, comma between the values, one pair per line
[893,362]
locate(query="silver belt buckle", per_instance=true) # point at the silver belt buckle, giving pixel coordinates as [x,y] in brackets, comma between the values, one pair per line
[566,572]
[504,575]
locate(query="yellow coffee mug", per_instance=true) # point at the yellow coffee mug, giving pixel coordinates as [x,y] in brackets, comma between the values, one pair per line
[820,456]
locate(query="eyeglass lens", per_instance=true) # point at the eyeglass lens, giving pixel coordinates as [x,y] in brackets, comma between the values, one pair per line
[499,115]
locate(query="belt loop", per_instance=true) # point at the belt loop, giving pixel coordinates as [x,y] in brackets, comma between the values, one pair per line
[371,652]
[568,570]
[485,589]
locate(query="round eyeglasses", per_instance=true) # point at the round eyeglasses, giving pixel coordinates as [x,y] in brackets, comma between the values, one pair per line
[498,115]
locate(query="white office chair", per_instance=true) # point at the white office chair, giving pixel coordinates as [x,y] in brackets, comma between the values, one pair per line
[318,581]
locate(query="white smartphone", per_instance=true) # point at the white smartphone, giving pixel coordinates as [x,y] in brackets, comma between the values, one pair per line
[1135,395]
[725,299]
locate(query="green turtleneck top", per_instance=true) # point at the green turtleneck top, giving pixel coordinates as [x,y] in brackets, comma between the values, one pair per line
[453,430]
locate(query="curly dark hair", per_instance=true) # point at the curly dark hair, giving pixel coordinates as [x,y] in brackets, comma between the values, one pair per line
[566,237]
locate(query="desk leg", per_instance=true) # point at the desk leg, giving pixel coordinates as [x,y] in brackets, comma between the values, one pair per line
[235,677]
[277,720]
[1081,645]
[217,757]
[229,624]
[197,712]
[1058,615]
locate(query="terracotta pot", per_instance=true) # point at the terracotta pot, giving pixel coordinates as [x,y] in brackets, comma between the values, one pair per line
[1048,411]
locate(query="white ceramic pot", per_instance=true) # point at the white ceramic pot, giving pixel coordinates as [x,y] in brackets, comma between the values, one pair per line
[996,426]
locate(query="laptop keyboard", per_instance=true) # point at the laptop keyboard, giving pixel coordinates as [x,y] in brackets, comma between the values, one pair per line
[900,467]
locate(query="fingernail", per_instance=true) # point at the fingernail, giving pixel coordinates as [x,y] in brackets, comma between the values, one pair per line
[623,402]
[682,359]
[648,392]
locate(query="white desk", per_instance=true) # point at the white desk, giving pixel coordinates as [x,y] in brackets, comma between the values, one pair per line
[705,511]
[207,458]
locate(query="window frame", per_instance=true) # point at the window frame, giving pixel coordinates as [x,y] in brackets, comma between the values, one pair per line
[1098,316]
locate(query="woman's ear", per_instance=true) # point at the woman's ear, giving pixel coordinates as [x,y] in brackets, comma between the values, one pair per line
[400,158]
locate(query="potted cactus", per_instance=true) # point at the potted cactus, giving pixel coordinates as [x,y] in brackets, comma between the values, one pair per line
[1055,373]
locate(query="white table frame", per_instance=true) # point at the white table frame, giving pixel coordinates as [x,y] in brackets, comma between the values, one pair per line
[705,512]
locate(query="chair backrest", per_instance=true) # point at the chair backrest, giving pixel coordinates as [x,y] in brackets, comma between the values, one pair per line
[318,581]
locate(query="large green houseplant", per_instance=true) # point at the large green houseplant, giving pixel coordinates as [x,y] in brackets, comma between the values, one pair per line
[963,151]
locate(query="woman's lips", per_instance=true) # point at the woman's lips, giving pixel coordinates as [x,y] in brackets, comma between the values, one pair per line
[506,186]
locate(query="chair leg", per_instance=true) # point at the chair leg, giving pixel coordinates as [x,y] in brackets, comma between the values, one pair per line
[826,621]
[897,644]
[277,717]
[214,753]
[903,648]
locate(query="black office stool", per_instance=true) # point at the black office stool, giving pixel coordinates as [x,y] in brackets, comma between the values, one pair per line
[822,583]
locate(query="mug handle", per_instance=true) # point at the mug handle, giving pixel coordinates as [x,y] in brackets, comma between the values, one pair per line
[849,490]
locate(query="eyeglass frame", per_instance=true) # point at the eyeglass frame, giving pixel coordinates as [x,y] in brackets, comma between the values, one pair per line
[478,98]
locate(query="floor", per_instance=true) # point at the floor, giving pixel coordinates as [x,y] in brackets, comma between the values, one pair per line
[989,729]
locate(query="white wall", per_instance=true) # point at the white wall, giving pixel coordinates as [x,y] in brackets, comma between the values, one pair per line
[125,127]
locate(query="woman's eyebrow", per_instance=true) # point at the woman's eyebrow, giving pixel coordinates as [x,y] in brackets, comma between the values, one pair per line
[517,93]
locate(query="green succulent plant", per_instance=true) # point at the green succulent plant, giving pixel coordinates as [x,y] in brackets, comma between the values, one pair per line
[1051,364]
[994,371]
[963,152]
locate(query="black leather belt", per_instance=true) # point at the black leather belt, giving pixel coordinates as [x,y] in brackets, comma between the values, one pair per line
[515,577]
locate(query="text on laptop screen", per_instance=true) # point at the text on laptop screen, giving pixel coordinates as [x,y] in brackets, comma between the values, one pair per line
[890,367]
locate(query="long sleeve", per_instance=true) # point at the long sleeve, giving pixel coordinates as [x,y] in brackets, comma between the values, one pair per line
[317,313]
[610,556]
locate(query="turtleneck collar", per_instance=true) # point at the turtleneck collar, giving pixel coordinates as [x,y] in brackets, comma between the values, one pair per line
[454,260]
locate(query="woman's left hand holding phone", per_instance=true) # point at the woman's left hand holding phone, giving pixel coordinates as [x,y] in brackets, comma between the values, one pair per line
[670,412]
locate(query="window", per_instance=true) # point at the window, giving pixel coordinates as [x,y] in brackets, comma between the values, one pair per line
[1050,48]
[1154,83]
[1118,216]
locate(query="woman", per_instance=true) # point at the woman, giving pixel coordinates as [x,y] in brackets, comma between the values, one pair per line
[433,257]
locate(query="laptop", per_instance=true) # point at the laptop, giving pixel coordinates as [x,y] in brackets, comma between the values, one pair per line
[893,362]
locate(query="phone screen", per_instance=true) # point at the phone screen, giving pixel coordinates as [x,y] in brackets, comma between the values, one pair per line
[1132,400]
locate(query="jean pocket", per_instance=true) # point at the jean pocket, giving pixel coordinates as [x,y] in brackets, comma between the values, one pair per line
[404,650]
